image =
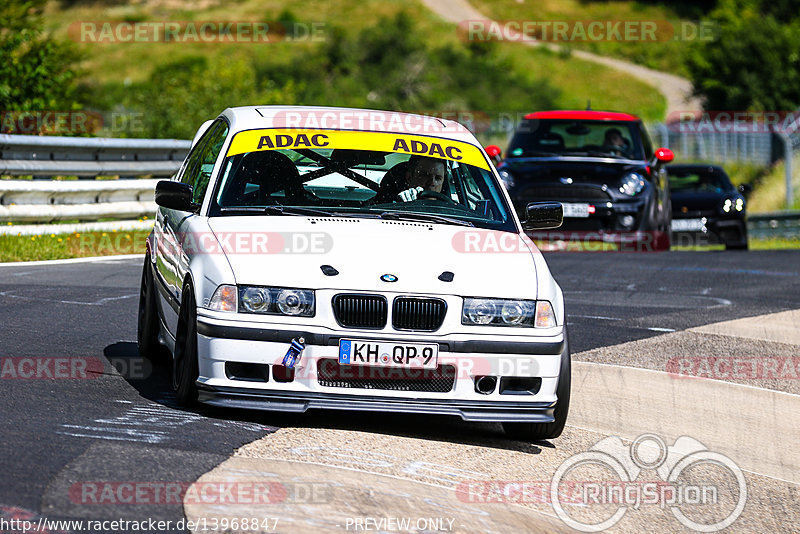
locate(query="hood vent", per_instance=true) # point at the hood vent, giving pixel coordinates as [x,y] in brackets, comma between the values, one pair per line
[328,270]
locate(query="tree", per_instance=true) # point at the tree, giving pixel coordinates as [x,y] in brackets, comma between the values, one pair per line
[753,60]
[37,72]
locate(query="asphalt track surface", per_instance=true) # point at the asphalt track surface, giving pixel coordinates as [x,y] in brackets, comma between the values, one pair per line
[122,423]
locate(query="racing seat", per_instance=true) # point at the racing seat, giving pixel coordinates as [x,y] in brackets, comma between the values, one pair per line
[394,182]
[271,172]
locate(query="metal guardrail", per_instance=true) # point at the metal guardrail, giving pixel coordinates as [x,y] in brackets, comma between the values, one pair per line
[47,201]
[28,201]
[90,156]
[775,224]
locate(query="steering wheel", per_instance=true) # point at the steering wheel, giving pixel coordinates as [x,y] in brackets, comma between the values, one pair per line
[422,195]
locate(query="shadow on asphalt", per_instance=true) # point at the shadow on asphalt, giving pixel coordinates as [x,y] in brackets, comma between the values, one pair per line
[153,382]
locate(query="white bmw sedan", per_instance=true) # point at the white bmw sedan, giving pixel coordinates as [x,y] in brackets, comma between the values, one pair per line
[347,259]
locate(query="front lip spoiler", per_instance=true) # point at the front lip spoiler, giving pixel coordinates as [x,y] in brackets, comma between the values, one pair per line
[298,402]
[326,340]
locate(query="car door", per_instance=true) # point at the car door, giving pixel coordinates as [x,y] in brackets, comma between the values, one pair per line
[171,260]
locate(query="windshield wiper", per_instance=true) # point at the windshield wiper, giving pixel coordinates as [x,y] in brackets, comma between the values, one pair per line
[283,210]
[401,216]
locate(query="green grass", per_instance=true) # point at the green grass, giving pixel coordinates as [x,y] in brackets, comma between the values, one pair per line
[665,53]
[127,63]
[776,243]
[76,245]
[770,189]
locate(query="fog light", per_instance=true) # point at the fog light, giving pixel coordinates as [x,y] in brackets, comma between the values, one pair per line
[626,221]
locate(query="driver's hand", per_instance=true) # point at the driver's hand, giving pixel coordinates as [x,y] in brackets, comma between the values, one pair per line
[410,194]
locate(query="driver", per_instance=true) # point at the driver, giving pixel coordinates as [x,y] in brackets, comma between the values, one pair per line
[614,141]
[423,174]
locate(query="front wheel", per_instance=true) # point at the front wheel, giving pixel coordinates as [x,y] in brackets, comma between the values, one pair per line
[185,369]
[542,431]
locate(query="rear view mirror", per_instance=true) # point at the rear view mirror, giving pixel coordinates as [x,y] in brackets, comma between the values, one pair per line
[175,195]
[494,152]
[664,155]
[578,128]
[543,215]
[745,189]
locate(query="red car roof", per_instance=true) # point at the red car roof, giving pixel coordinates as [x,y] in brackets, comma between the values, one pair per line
[583,115]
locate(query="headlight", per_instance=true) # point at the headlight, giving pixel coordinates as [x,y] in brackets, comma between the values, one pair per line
[632,183]
[276,301]
[479,311]
[726,206]
[732,204]
[295,301]
[223,299]
[256,299]
[502,312]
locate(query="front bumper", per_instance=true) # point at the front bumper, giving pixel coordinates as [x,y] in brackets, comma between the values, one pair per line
[225,343]
[716,230]
[286,401]
[608,217]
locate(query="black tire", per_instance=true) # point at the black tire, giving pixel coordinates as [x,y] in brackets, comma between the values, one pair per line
[543,431]
[742,244]
[185,369]
[737,246]
[663,239]
[147,319]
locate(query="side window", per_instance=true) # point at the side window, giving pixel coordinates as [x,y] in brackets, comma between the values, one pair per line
[201,160]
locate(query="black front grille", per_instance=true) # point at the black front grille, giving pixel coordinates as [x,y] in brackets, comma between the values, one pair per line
[360,311]
[421,314]
[439,380]
[567,193]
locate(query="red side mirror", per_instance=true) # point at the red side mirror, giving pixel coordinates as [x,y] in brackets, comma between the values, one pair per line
[664,155]
[494,152]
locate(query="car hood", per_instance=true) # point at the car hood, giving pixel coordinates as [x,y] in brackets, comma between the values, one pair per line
[483,262]
[596,172]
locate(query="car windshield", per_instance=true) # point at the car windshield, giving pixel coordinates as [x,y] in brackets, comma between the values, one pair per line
[561,137]
[295,173]
[698,180]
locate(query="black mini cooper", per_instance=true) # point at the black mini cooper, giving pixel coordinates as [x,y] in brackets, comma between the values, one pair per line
[603,169]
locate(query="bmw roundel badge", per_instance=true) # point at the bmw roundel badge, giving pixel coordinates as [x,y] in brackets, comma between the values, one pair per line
[389,278]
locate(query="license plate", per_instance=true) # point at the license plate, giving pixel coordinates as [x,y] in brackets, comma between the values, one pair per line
[575,210]
[388,354]
[688,225]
